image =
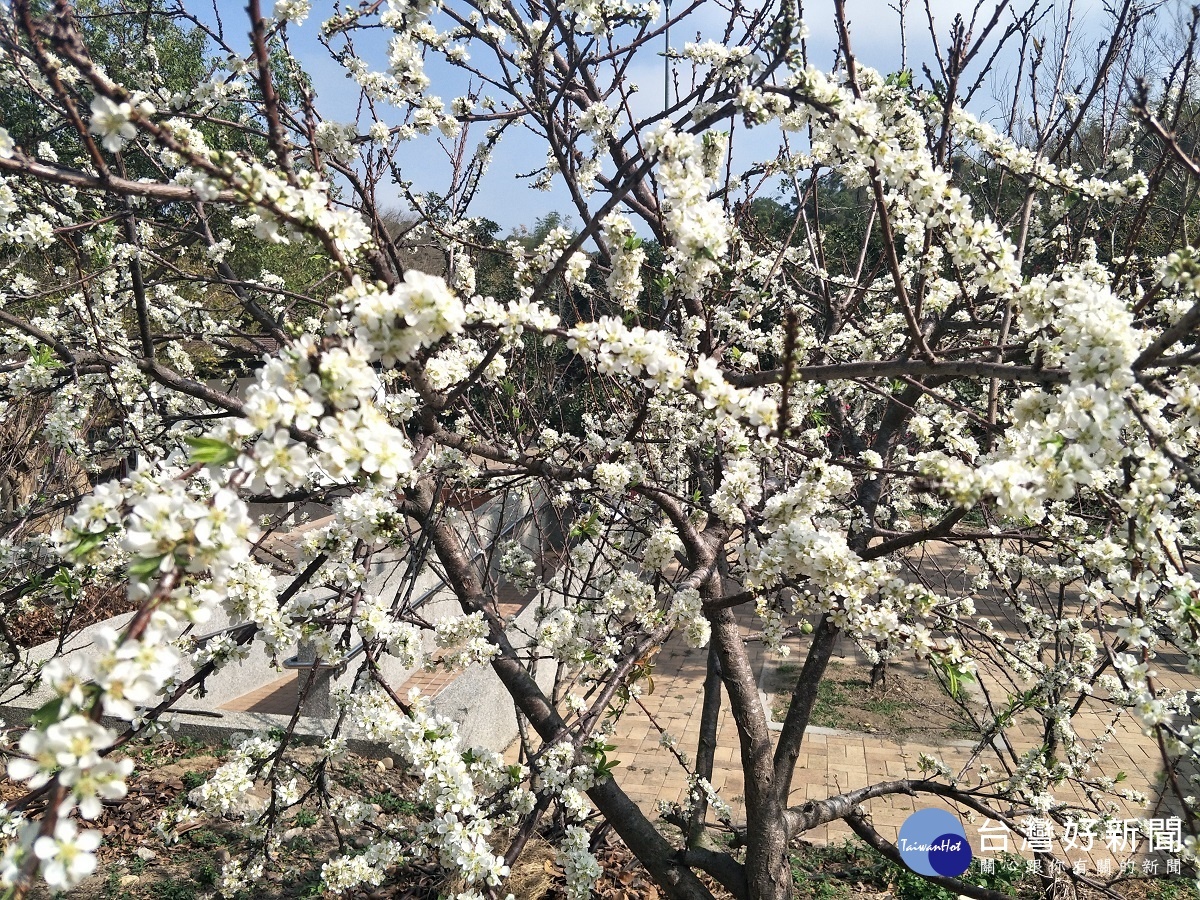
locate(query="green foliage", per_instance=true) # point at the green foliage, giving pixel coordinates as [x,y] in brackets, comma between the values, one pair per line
[210,451]
[205,873]
[851,868]
[205,837]
[816,886]
[90,542]
[953,673]
[604,766]
[172,890]
[589,526]
[911,886]
[1008,875]
[118,34]
[47,713]
[768,218]
[312,889]
[112,889]
[392,804]
[146,566]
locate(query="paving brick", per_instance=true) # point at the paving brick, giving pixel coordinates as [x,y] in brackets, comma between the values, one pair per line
[275,698]
[826,763]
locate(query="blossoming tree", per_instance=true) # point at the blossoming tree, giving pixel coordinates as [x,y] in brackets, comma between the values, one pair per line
[752,428]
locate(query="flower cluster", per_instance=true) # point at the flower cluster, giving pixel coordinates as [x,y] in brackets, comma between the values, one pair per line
[699,230]
[759,406]
[396,324]
[518,566]
[686,611]
[578,863]
[452,784]
[625,280]
[463,641]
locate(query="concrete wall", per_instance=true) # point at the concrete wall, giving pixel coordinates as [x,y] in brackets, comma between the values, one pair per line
[476,699]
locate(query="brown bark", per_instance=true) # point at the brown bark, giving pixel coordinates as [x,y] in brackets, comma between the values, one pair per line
[768,874]
[804,696]
[661,859]
[706,746]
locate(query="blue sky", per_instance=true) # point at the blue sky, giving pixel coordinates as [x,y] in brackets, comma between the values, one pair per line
[875,32]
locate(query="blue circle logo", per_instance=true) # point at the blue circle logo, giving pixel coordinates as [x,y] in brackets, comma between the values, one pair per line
[933,842]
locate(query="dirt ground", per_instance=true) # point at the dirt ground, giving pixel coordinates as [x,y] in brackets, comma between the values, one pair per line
[136,863]
[912,705]
[41,623]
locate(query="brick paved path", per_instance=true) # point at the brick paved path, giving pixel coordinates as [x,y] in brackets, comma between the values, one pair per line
[833,761]
[830,761]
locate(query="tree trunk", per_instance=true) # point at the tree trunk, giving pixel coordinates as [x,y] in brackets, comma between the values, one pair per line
[879,670]
[661,860]
[706,746]
[768,874]
[804,697]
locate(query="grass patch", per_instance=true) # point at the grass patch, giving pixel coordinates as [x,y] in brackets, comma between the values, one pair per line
[912,702]
[853,871]
[392,804]
[832,699]
[835,698]
[172,890]
[205,837]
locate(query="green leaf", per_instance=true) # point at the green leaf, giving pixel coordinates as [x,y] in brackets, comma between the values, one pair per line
[70,586]
[588,526]
[45,358]
[605,766]
[46,715]
[955,673]
[146,566]
[90,542]
[210,451]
